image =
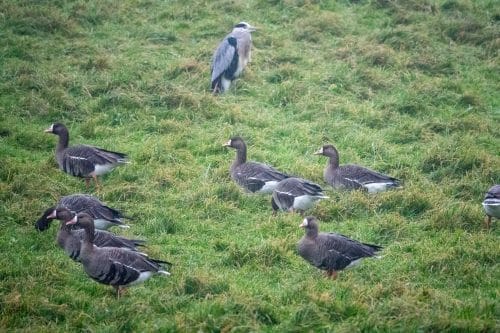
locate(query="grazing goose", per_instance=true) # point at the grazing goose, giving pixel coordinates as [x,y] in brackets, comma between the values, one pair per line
[114,266]
[81,160]
[104,216]
[296,194]
[252,176]
[70,240]
[491,204]
[352,176]
[329,251]
[231,57]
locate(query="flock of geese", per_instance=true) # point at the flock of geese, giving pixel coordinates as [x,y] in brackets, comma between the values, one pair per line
[119,262]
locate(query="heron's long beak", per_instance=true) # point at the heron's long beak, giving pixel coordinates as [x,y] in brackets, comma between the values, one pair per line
[252,29]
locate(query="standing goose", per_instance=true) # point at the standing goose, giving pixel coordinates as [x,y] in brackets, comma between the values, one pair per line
[491,204]
[329,251]
[104,216]
[231,57]
[296,194]
[82,160]
[70,239]
[252,176]
[352,176]
[113,266]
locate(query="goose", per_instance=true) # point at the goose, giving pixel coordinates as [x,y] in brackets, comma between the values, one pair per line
[331,252]
[254,177]
[296,194]
[491,204]
[82,160]
[352,176]
[231,57]
[70,239]
[104,217]
[113,266]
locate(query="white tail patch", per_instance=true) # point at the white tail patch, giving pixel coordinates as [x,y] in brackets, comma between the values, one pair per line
[101,169]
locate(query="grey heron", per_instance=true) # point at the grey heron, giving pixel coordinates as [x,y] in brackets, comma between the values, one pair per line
[231,57]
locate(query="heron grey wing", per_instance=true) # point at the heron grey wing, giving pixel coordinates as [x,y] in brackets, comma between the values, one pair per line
[223,57]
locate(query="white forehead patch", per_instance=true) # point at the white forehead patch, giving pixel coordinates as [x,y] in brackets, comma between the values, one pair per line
[305,222]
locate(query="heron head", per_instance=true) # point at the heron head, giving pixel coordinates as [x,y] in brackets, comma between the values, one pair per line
[245,27]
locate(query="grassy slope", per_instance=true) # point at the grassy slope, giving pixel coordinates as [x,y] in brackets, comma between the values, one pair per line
[409,88]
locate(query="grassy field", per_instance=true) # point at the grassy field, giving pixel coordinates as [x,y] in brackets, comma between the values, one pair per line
[410,88]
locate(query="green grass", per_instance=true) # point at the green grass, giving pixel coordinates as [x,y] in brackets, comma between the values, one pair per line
[405,87]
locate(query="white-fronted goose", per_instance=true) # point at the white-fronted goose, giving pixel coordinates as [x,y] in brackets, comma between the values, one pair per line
[104,216]
[330,251]
[296,194]
[231,57]
[82,160]
[70,239]
[252,176]
[113,266]
[491,204]
[352,176]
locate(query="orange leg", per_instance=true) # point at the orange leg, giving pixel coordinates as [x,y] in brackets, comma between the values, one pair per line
[331,274]
[488,221]
[96,181]
[119,291]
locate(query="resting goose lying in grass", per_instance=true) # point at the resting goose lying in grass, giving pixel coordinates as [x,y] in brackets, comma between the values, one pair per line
[82,160]
[252,176]
[329,251]
[104,216]
[352,176]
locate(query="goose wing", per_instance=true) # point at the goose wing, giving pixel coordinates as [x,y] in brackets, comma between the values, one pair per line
[361,175]
[338,251]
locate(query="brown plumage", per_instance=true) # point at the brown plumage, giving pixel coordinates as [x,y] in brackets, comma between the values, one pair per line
[329,251]
[114,266]
[81,160]
[352,176]
[103,215]
[70,239]
[254,177]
